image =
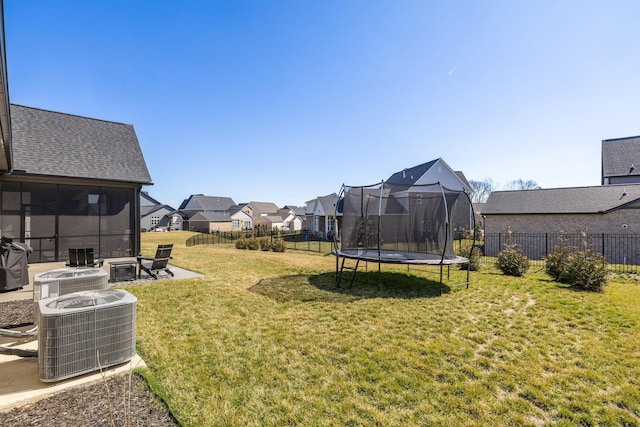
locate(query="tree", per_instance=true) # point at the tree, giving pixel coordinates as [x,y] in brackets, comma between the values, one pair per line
[519,184]
[480,190]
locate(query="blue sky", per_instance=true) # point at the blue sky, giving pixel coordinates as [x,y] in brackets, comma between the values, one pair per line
[284,101]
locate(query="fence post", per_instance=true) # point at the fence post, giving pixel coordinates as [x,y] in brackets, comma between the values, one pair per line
[603,244]
[546,244]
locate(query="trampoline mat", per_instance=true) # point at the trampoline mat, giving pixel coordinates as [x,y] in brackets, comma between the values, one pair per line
[398,257]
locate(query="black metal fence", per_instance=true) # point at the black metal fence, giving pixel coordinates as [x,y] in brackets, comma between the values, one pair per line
[300,240]
[622,251]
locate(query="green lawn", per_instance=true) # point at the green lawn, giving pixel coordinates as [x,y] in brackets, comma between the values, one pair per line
[267,339]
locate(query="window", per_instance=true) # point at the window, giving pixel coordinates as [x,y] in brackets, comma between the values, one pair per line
[236,224]
[155,220]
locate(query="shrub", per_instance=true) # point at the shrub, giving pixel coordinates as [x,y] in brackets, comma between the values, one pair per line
[474,255]
[265,243]
[242,243]
[253,244]
[586,270]
[557,261]
[512,261]
[279,245]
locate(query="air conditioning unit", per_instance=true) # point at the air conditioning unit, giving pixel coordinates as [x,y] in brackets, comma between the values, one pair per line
[63,281]
[83,331]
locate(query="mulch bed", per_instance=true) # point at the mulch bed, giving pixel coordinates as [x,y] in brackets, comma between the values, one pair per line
[121,400]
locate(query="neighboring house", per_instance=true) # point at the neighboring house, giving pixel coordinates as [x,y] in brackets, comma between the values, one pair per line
[621,161]
[200,203]
[259,209]
[219,221]
[430,173]
[75,182]
[298,210]
[477,210]
[321,215]
[153,213]
[176,220]
[437,171]
[154,216]
[271,222]
[291,221]
[605,209]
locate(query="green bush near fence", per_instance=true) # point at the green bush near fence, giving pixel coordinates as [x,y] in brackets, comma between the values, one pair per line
[512,261]
[583,269]
[278,245]
[467,249]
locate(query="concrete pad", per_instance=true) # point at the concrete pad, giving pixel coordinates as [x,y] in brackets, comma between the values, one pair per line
[19,377]
[20,383]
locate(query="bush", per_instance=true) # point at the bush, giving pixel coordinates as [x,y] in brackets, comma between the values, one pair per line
[587,270]
[557,261]
[279,245]
[512,261]
[253,244]
[583,269]
[265,243]
[474,255]
[242,243]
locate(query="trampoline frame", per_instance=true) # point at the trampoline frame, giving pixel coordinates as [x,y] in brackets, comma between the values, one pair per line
[383,256]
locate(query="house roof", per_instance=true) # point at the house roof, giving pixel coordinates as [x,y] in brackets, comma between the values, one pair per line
[409,176]
[149,209]
[270,219]
[427,173]
[148,200]
[212,216]
[298,210]
[64,145]
[621,157]
[261,208]
[328,204]
[598,199]
[200,202]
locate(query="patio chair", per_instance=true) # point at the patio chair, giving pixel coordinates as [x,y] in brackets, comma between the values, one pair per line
[83,258]
[159,263]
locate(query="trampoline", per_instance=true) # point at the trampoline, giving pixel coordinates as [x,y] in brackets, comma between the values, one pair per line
[395,223]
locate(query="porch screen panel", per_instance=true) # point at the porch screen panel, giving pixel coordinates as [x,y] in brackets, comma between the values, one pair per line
[116,221]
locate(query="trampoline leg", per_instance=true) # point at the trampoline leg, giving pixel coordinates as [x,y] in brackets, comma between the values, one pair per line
[353,276]
[468,270]
[440,279]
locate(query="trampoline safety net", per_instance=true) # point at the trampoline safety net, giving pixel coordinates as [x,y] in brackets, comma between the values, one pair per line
[402,223]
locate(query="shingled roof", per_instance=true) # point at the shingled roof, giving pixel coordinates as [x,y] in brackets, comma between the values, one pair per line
[48,143]
[620,157]
[200,202]
[576,200]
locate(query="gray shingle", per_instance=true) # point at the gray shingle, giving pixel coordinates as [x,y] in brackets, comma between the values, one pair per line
[575,200]
[57,144]
[621,157]
[409,176]
[200,202]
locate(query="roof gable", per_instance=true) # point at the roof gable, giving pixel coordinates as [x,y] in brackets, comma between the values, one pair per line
[430,173]
[200,202]
[263,208]
[147,200]
[63,145]
[621,157]
[598,199]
